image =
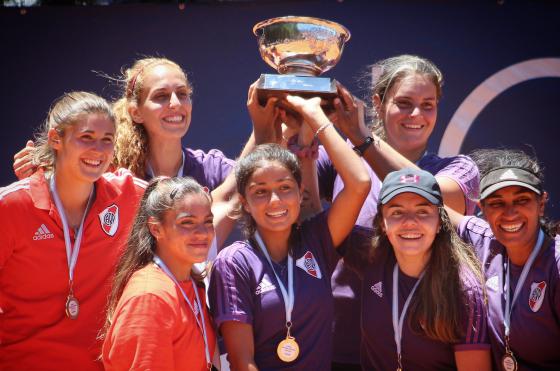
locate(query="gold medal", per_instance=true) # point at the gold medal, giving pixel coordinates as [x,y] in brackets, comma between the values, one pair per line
[508,362]
[72,307]
[288,349]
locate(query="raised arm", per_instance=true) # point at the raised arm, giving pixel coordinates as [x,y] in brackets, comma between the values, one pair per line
[346,207]
[266,129]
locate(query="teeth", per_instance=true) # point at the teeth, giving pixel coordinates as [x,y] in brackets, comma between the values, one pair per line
[410,126]
[173,119]
[277,213]
[411,236]
[511,227]
[92,162]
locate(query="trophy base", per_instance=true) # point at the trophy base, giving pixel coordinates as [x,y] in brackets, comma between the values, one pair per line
[269,86]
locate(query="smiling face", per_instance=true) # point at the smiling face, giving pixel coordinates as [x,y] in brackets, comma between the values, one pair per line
[184,234]
[513,214]
[409,113]
[165,103]
[411,224]
[85,150]
[272,197]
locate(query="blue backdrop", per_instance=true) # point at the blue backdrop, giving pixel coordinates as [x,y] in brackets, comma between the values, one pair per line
[51,50]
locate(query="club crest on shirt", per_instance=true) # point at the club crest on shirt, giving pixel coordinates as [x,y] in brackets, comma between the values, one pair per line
[536,296]
[308,263]
[109,219]
[493,283]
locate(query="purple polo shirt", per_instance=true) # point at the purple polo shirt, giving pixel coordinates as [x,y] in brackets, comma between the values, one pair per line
[535,318]
[345,282]
[378,348]
[243,288]
[208,169]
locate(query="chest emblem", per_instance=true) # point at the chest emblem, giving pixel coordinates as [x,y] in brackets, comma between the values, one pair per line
[308,263]
[109,219]
[536,297]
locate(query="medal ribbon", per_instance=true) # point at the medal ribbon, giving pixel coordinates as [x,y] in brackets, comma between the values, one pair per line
[71,252]
[195,309]
[150,171]
[509,304]
[289,295]
[398,321]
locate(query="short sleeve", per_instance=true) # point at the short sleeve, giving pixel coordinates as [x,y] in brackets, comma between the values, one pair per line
[141,336]
[209,169]
[326,174]
[474,319]
[463,170]
[229,292]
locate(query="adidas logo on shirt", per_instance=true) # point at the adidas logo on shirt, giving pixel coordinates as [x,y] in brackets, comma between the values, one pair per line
[264,286]
[378,289]
[43,233]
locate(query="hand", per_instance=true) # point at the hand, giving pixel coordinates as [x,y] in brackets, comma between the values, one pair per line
[23,165]
[266,120]
[349,115]
[309,109]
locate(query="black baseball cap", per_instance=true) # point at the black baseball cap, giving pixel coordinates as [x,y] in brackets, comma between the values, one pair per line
[411,180]
[506,176]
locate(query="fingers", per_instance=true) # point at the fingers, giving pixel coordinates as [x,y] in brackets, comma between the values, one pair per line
[252,94]
[24,170]
[26,151]
[347,98]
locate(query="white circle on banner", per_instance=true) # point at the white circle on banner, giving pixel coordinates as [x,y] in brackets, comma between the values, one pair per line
[479,98]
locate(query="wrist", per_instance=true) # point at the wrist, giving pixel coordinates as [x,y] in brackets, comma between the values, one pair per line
[310,151]
[364,145]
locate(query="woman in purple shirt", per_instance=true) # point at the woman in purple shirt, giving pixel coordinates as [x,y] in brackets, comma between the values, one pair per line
[271,295]
[423,305]
[520,255]
[405,94]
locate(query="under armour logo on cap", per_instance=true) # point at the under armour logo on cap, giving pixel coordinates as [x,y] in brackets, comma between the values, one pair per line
[410,178]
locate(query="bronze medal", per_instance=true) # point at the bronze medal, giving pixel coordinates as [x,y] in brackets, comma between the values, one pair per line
[508,362]
[288,349]
[72,307]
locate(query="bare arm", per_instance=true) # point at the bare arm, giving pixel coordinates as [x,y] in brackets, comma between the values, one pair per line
[240,346]
[380,156]
[346,207]
[473,360]
[266,128]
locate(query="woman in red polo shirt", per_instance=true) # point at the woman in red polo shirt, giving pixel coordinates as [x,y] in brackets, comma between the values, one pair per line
[62,232]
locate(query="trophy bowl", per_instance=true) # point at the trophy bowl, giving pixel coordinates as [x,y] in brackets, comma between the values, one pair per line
[301,46]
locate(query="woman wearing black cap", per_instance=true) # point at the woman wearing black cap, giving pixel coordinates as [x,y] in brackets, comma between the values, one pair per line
[421,284]
[520,254]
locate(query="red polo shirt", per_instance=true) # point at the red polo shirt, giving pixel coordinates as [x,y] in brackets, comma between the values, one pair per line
[34,329]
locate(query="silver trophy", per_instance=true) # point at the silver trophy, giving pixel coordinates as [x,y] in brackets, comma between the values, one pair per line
[300,49]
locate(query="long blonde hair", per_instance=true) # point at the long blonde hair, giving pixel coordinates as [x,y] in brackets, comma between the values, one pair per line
[65,112]
[131,147]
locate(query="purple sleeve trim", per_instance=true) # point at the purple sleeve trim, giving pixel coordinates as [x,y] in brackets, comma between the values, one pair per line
[467,347]
[464,172]
[233,317]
